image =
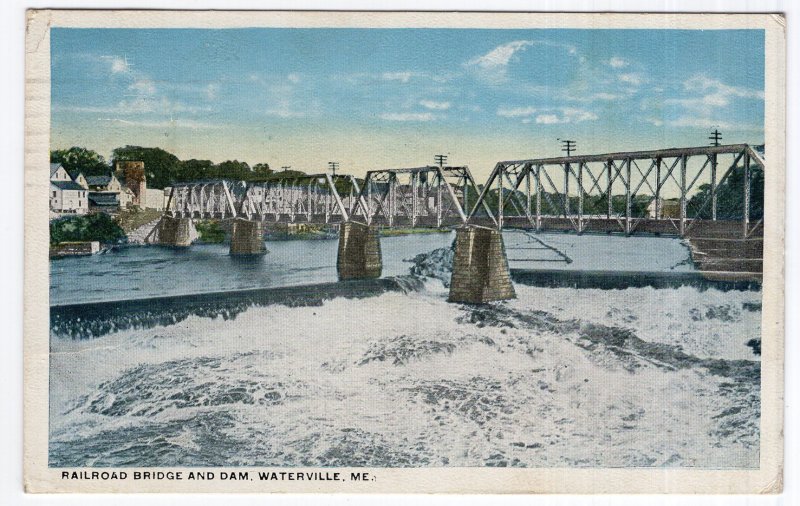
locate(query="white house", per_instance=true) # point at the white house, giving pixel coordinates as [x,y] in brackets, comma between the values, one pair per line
[66,196]
[59,173]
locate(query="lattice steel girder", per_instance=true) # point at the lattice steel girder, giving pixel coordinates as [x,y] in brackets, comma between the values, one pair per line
[640,186]
[414,194]
[642,155]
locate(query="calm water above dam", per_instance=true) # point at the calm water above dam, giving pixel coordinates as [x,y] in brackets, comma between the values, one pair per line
[138,272]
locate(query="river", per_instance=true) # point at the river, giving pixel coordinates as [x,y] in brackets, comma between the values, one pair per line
[140,271]
[558,377]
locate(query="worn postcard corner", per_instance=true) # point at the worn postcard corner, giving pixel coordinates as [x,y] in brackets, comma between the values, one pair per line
[404,252]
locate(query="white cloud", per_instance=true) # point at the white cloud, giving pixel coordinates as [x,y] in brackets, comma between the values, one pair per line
[698,122]
[501,55]
[283,109]
[493,66]
[410,116]
[701,82]
[516,112]
[548,119]
[434,106]
[707,100]
[573,115]
[293,78]
[118,65]
[605,96]
[171,123]
[143,85]
[211,91]
[403,77]
[618,63]
[631,78]
[548,116]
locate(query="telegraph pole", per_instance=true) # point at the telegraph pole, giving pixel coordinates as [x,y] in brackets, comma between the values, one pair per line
[333,166]
[286,167]
[440,159]
[568,146]
[715,137]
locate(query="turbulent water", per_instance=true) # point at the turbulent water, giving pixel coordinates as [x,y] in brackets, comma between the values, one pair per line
[558,377]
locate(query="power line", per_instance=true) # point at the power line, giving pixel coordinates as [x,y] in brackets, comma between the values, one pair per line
[440,159]
[715,137]
[333,166]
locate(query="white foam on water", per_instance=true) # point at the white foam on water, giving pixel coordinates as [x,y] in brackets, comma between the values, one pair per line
[409,380]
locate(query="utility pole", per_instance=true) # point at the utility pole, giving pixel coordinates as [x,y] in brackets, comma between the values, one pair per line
[715,137]
[286,167]
[568,146]
[440,159]
[333,166]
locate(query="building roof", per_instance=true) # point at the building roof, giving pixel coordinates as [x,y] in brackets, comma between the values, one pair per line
[98,180]
[67,185]
[54,168]
[74,174]
[104,199]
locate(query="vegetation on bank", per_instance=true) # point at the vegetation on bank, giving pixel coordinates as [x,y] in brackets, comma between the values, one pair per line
[91,227]
[162,168]
[210,231]
[133,218]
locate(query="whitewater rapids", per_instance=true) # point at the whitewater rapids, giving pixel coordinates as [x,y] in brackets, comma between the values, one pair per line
[556,378]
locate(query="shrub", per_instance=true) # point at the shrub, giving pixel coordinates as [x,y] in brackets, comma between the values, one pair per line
[92,227]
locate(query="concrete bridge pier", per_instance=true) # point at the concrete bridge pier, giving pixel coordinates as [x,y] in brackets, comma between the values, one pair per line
[480,267]
[247,237]
[359,255]
[176,232]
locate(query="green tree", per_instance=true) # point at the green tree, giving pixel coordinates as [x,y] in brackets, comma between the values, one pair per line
[261,170]
[193,170]
[730,196]
[92,227]
[77,159]
[161,167]
[234,169]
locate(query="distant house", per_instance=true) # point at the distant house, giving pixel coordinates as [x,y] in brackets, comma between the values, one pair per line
[105,202]
[79,178]
[66,196]
[109,184]
[59,173]
[668,209]
[106,183]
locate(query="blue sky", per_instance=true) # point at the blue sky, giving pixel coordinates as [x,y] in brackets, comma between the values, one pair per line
[389,98]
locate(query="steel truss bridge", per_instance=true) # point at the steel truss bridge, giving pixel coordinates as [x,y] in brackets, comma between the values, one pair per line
[670,191]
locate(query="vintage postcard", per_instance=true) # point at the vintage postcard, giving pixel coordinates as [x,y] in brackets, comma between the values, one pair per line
[404,252]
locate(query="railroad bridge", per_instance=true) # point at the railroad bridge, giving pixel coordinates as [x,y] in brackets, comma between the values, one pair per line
[703,194]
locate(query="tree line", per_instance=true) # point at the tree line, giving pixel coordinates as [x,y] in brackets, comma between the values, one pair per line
[162,168]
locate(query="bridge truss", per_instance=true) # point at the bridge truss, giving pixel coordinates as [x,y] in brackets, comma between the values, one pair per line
[670,191]
[429,196]
[666,191]
[315,198]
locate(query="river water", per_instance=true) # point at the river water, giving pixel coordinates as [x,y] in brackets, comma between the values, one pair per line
[559,377]
[139,272]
